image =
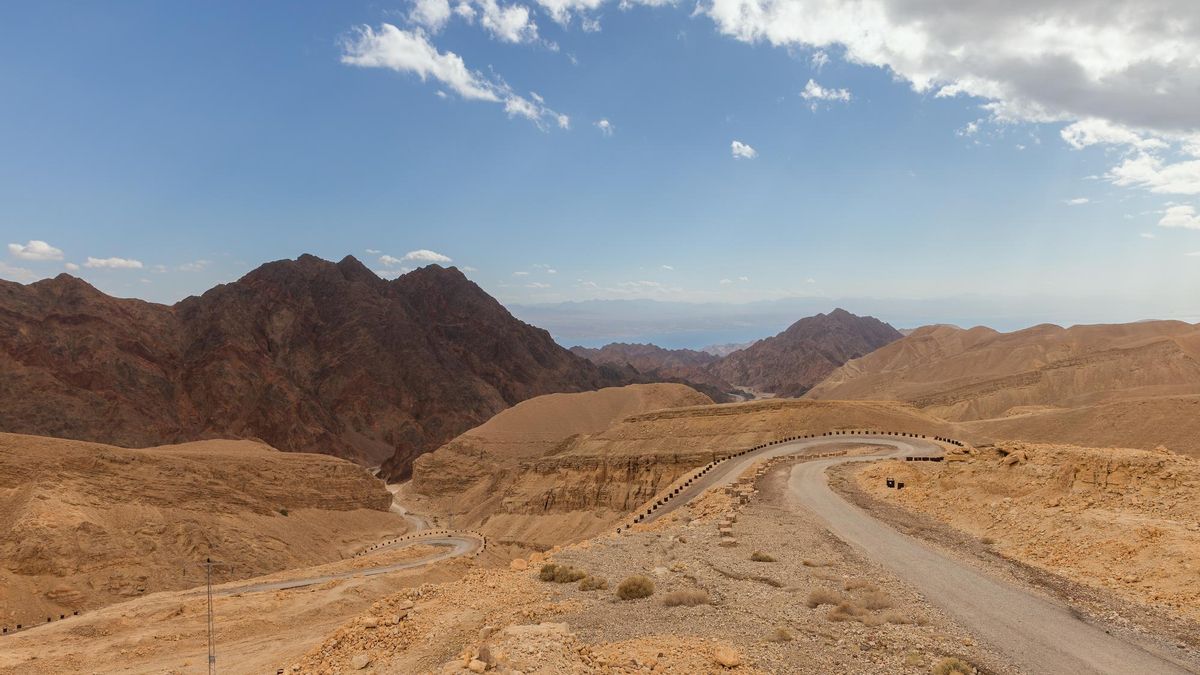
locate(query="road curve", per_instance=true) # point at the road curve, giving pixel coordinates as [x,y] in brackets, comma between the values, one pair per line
[456,545]
[1038,634]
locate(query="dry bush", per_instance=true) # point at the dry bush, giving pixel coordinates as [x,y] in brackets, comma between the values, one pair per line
[913,658]
[953,666]
[781,634]
[988,540]
[591,583]
[847,611]
[759,556]
[635,587]
[688,598]
[560,574]
[897,618]
[822,596]
[815,563]
[877,600]
[855,584]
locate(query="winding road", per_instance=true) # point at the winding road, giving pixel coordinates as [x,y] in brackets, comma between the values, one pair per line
[1036,633]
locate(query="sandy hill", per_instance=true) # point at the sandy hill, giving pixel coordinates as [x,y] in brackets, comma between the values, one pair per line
[306,354]
[790,363]
[1124,384]
[88,524]
[553,470]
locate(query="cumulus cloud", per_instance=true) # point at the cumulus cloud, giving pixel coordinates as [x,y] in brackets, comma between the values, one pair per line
[113,263]
[668,268]
[536,284]
[409,51]
[815,93]
[1134,64]
[1152,173]
[819,60]
[432,14]
[1094,131]
[741,150]
[1180,215]
[36,249]
[1078,201]
[425,255]
[71,267]
[605,127]
[509,23]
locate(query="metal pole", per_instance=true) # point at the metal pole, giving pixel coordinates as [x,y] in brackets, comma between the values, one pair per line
[212,649]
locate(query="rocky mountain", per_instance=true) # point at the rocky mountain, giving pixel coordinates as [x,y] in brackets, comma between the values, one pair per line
[656,364]
[1093,385]
[305,354]
[792,362]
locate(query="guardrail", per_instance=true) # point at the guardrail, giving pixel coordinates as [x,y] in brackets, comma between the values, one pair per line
[677,488]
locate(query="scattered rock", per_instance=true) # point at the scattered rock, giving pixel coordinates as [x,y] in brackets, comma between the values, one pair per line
[360,661]
[519,564]
[727,656]
[476,666]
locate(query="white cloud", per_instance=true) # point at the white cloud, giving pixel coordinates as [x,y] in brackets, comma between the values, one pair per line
[1078,201]
[373,251]
[194,266]
[743,279]
[819,60]
[113,263]
[536,284]
[1092,131]
[1149,235]
[726,282]
[1180,215]
[389,260]
[1153,174]
[1194,254]
[509,23]
[19,274]
[425,255]
[590,24]
[562,10]
[71,267]
[520,274]
[816,93]
[36,249]
[1134,63]
[432,14]
[742,151]
[464,10]
[668,268]
[411,52]
[970,129]
[605,127]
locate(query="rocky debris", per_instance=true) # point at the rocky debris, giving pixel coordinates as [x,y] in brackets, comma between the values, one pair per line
[518,564]
[360,661]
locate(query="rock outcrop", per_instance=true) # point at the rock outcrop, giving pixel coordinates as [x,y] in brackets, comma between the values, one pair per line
[305,354]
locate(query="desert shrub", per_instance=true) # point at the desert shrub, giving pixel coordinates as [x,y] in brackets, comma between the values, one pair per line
[847,611]
[283,511]
[561,574]
[688,598]
[635,587]
[897,618]
[822,596]
[566,574]
[988,540]
[855,584]
[808,562]
[759,556]
[953,666]
[781,634]
[876,600]
[591,583]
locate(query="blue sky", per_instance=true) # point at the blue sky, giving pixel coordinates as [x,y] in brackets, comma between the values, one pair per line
[156,149]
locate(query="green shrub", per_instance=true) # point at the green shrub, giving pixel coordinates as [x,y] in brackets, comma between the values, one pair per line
[635,587]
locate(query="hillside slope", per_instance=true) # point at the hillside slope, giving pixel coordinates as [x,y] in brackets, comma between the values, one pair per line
[89,524]
[305,354]
[790,363]
[685,366]
[1133,385]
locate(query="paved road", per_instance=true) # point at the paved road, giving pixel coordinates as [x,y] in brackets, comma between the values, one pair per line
[455,545]
[1039,635]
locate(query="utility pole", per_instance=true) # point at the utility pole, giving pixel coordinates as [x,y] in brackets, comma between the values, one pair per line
[209,565]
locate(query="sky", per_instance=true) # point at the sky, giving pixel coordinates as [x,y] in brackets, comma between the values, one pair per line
[1003,163]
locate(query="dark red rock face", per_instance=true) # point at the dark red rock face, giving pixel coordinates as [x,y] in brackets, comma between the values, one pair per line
[794,361]
[307,355]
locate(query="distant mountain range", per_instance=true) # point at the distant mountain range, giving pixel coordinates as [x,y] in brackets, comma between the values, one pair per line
[305,354]
[788,364]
